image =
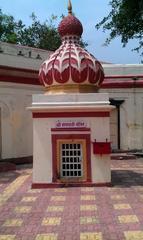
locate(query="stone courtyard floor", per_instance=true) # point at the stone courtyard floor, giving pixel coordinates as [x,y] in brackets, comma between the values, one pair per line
[102,213]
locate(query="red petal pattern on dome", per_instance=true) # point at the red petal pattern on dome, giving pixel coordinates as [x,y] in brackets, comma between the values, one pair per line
[57,76]
[71,65]
[49,77]
[65,75]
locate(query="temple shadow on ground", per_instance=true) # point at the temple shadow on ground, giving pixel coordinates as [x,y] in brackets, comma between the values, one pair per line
[126,178]
[8,177]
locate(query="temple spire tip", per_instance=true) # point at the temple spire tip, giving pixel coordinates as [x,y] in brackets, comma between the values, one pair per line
[70,7]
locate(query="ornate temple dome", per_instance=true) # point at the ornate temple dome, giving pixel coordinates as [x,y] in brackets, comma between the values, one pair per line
[71,68]
[70,25]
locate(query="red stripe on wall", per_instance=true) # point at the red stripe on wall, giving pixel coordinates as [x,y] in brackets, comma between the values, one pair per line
[123,84]
[69,129]
[18,69]
[125,81]
[69,114]
[105,84]
[124,76]
[19,80]
[37,71]
[63,185]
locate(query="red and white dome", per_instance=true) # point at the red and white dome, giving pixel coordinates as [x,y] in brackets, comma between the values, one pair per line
[71,68]
[70,25]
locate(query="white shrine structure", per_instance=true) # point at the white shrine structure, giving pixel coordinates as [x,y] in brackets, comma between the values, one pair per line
[71,122]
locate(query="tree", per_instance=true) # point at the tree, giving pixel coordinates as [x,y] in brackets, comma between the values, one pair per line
[125,20]
[9,28]
[40,35]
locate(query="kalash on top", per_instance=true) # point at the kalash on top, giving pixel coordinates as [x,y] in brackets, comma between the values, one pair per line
[71,68]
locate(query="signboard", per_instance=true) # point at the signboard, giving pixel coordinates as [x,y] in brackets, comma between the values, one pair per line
[71,124]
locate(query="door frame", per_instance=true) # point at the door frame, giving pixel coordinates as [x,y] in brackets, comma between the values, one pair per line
[58,138]
[84,170]
[117,104]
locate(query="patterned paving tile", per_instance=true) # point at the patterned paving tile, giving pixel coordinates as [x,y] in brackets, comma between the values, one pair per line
[7,237]
[13,222]
[118,197]
[141,196]
[91,236]
[110,189]
[28,199]
[58,198]
[112,213]
[4,179]
[49,236]
[133,235]
[51,221]
[88,207]
[128,219]
[86,189]
[60,190]
[11,189]
[34,191]
[139,188]
[87,197]
[89,220]
[126,165]
[23,209]
[10,174]
[55,209]
[122,206]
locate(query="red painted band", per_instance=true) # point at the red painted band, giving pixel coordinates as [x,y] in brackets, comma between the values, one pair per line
[60,185]
[124,76]
[37,71]
[105,85]
[69,114]
[18,69]
[19,80]
[69,129]
[123,84]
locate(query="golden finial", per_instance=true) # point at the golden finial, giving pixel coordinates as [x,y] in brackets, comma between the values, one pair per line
[70,7]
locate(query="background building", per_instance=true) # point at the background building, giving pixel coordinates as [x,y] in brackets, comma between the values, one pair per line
[19,80]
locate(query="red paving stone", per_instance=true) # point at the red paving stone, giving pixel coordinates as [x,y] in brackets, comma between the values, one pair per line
[102,213]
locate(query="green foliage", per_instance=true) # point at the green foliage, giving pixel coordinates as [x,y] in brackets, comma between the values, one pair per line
[125,20]
[40,35]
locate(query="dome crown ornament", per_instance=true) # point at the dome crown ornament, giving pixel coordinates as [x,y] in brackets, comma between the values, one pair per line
[71,68]
[70,25]
[70,7]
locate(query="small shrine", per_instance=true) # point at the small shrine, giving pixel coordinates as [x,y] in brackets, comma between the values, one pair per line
[71,135]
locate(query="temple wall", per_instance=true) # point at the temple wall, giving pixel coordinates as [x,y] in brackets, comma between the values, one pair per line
[123,69]
[131,116]
[16,121]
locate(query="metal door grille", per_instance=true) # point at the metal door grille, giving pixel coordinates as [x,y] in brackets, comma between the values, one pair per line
[71,160]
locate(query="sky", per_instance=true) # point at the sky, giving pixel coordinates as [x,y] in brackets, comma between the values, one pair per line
[89,12]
